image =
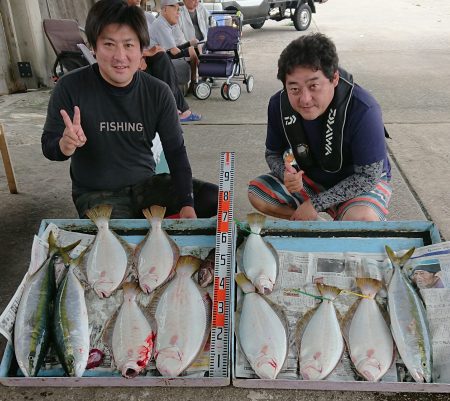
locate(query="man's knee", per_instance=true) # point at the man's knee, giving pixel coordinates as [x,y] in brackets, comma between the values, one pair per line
[360,213]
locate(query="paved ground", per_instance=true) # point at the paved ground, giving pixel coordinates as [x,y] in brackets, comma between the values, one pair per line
[399,50]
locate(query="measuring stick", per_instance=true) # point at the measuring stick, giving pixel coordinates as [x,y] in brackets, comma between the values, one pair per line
[220,332]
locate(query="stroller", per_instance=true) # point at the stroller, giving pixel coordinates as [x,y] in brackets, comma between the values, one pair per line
[222,57]
[64,36]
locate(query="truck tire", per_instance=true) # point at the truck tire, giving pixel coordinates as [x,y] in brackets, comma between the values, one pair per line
[302,17]
[257,25]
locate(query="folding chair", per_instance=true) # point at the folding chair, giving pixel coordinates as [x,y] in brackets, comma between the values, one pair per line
[64,35]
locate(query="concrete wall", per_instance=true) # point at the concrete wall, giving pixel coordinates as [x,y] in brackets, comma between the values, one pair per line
[24,39]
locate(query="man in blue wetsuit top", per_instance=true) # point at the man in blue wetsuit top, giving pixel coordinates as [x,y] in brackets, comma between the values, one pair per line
[104,119]
[325,143]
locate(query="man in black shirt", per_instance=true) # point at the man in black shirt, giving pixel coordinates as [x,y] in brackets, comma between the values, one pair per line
[104,118]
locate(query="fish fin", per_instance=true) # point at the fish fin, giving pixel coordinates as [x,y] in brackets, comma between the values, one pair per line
[158,211]
[278,309]
[99,212]
[108,329]
[148,214]
[240,256]
[128,276]
[328,291]
[347,321]
[369,286]
[399,260]
[188,263]
[256,222]
[244,283]
[275,255]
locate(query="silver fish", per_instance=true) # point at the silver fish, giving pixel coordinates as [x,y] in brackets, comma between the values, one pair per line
[107,259]
[259,260]
[409,322]
[183,319]
[33,319]
[133,335]
[262,334]
[370,341]
[157,254]
[321,343]
[70,323]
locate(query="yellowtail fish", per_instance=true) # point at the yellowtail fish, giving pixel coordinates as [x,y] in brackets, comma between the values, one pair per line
[409,322]
[133,335]
[369,339]
[183,319]
[262,331]
[258,259]
[70,323]
[157,254]
[320,342]
[34,314]
[108,255]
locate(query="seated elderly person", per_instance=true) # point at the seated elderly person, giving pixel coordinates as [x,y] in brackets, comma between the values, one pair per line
[166,33]
[194,20]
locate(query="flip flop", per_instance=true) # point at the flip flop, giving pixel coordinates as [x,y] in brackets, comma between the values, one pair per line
[191,117]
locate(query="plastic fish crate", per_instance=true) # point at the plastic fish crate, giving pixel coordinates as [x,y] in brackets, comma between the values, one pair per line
[365,237]
[199,232]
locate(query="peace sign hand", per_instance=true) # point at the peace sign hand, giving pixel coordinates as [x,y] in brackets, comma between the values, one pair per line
[73,135]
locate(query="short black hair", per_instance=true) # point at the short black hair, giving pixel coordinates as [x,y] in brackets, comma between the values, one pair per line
[106,12]
[315,51]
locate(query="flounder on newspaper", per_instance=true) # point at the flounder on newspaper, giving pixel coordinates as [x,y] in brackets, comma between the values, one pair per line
[319,338]
[34,314]
[409,322]
[262,330]
[157,254]
[131,334]
[183,319]
[109,257]
[367,334]
[258,259]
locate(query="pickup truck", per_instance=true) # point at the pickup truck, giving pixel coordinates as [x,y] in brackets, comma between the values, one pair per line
[256,12]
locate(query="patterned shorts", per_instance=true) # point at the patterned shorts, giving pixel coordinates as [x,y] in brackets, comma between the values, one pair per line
[272,191]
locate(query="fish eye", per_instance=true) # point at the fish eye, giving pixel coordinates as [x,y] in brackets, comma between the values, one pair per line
[424,364]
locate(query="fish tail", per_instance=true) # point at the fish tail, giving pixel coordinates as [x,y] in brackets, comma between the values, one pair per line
[157,211]
[369,286]
[256,222]
[130,290]
[76,261]
[65,250]
[244,283]
[328,291]
[99,212]
[52,246]
[188,264]
[399,260]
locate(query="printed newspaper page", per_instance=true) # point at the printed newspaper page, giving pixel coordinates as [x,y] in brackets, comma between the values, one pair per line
[301,271]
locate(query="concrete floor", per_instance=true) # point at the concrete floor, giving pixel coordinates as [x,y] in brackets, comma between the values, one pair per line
[399,50]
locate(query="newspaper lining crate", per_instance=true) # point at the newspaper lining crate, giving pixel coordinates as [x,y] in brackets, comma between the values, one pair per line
[335,237]
[190,233]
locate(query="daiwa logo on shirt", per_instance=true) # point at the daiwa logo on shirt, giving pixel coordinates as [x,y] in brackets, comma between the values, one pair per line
[119,126]
[329,133]
[289,120]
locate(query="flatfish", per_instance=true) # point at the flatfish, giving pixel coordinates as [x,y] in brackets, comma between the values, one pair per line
[262,331]
[320,342]
[157,254]
[133,335]
[369,339]
[35,310]
[409,324]
[70,323]
[183,319]
[108,255]
[258,259]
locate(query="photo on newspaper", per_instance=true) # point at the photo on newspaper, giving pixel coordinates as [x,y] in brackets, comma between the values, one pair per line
[100,310]
[428,271]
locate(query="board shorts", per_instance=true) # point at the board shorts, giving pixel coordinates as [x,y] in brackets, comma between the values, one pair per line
[271,190]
